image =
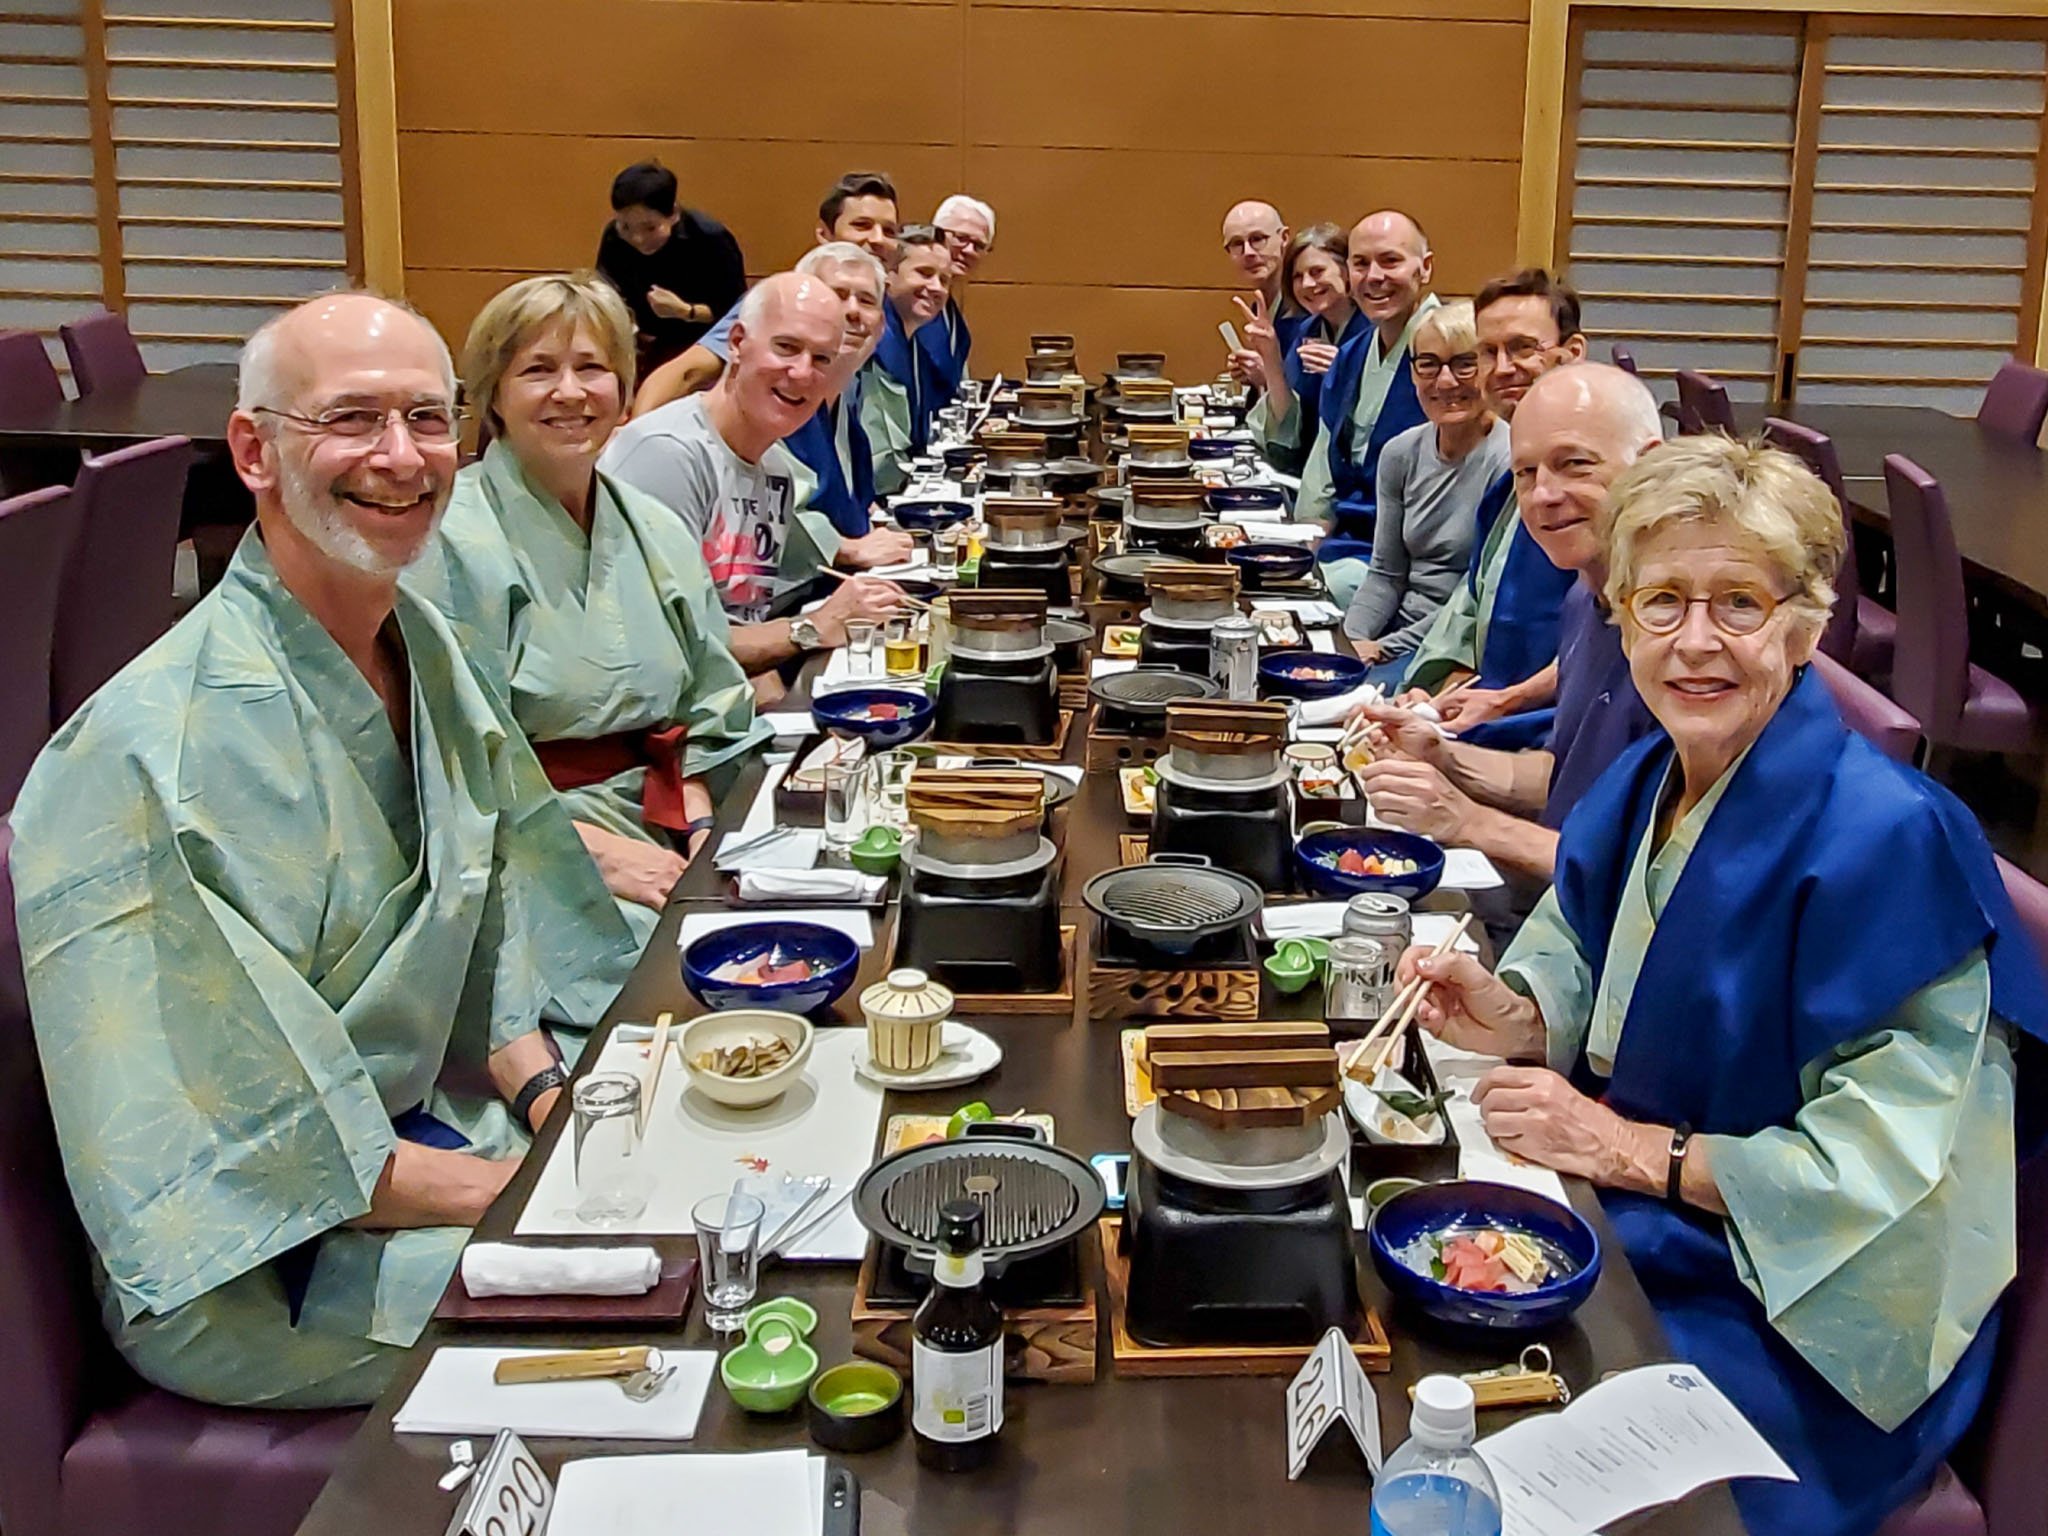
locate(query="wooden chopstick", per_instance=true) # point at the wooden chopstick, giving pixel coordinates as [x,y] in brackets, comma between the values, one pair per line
[1403,1005]
[571,1365]
[656,1058]
[917,603]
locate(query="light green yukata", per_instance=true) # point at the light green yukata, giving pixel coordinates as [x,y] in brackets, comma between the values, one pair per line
[619,629]
[1878,1231]
[257,930]
[1456,638]
[885,417]
[1317,499]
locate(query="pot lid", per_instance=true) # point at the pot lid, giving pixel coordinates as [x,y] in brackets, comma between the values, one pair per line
[1174,773]
[1202,1156]
[909,996]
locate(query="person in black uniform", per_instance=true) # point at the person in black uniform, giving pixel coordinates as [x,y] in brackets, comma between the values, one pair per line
[677,268]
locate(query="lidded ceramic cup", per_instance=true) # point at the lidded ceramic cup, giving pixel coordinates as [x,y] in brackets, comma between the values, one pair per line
[906,1013]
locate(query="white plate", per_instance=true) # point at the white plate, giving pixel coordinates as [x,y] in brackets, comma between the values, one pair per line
[965,1053]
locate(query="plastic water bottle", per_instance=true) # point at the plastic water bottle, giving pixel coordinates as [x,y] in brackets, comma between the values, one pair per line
[1436,1485]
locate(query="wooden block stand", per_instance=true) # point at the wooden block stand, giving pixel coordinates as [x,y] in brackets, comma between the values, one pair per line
[1052,1344]
[1128,1357]
[1133,847]
[1207,992]
[1074,692]
[1052,752]
[1110,749]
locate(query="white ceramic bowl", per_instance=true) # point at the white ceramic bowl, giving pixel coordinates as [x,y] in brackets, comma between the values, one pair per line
[735,1026]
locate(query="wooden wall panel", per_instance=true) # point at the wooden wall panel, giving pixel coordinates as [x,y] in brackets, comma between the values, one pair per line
[1110,135]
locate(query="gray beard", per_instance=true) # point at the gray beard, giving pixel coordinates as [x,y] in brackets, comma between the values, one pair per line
[327,528]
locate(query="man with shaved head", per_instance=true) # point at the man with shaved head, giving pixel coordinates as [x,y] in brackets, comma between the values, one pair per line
[1255,239]
[1368,396]
[294,895]
[1575,430]
[716,460]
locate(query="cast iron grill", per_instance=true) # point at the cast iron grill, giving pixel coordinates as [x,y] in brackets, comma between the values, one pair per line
[1170,900]
[1033,1196]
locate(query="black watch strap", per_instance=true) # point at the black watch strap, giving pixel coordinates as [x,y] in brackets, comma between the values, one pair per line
[548,1077]
[1681,1138]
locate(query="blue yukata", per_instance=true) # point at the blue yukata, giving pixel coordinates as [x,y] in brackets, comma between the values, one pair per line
[1819,971]
[1599,714]
[1368,399]
[836,465]
[901,392]
[946,342]
[1282,438]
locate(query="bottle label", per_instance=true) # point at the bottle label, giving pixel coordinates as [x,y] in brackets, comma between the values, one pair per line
[956,1397]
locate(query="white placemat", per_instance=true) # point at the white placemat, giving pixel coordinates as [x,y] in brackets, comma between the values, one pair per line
[836,678]
[768,1493]
[1109,666]
[1325,920]
[1310,610]
[827,1123]
[455,1395]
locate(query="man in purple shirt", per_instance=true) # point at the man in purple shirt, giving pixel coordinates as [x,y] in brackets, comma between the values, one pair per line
[1575,431]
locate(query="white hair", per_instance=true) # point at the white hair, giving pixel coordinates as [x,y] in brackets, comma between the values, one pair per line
[843,253]
[752,302]
[256,371]
[960,203]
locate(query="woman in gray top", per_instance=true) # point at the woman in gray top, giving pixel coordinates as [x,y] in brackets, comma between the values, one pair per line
[1431,479]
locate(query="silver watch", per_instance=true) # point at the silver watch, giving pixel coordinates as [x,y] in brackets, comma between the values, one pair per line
[804,634]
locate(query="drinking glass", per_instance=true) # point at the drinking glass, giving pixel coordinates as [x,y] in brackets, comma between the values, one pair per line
[861,646]
[899,645]
[946,553]
[889,787]
[845,809]
[613,1176]
[1360,984]
[728,1256]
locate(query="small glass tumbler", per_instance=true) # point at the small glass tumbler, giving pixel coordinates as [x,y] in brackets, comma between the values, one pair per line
[863,646]
[845,804]
[900,645]
[1360,984]
[889,787]
[946,553]
[728,1257]
[613,1176]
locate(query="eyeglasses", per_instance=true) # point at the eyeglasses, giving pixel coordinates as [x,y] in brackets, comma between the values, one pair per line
[1735,611]
[966,242]
[1522,351]
[1257,241]
[1426,367]
[428,423]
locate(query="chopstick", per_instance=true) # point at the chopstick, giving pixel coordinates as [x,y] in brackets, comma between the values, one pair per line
[1404,1004]
[916,603]
[656,1058]
[572,1365]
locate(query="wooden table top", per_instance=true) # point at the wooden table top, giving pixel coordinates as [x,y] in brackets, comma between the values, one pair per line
[192,402]
[1119,1457]
[1997,488]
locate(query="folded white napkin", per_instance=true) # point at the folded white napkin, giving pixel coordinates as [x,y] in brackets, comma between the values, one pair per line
[508,1269]
[810,885]
[1334,710]
[787,848]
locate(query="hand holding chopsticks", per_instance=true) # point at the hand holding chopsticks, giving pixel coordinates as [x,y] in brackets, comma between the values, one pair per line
[1393,1024]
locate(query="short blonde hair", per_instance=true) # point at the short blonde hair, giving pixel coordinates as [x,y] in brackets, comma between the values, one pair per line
[1766,495]
[515,316]
[1454,325]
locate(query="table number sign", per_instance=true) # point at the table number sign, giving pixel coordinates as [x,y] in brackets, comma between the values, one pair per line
[509,1496]
[1330,1386]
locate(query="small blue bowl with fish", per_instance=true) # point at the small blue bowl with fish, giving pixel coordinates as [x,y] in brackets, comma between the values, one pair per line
[1479,1255]
[1308,674]
[1369,861]
[927,514]
[881,717]
[793,967]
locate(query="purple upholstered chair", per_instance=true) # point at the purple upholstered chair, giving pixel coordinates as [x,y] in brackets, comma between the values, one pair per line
[1703,404]
[1868,712]
[1958,704]
[117,583]
[103,353]
[2015,401]
[1862,633]
[1624,359]
[89,1449]
[35,536]
[28,379]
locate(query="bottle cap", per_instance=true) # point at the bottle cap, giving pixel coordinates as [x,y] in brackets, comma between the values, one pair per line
[960,1230]
[1444,1412]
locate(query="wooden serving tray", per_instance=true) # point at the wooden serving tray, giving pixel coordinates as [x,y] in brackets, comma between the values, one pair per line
[667,1304]
[1128,1357]
[1052,752]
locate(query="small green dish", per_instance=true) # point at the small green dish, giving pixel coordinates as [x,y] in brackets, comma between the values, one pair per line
[857,1406]
[1380,1191]
[770,1372]
[800,1314]
[1289,973]
[876,851]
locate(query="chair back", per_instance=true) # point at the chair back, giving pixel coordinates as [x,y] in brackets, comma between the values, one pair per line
[2015,401]
[50,1341]
[1931,668]
[28,379]
[103,353]
[1703,404]
[1867,712]
[117,584]
[35,536]
[1817,451]
[1624,359]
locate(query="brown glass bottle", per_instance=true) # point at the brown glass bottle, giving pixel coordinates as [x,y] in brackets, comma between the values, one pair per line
[956,1351]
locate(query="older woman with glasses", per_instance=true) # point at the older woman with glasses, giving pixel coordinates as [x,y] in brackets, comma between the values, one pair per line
[588,599]
[1770,1008]
[1431,481]
[1287,357]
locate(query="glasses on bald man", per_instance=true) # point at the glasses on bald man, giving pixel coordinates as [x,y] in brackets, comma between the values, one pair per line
[430,423]
[1257,240]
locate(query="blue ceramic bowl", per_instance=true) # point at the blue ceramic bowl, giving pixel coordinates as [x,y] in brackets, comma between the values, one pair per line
[1313,850]
[840,713]
[1211,450]
[1434,1207]
[925,515]
[1271,562]
[1227,499]
[1335,674]
[827,947]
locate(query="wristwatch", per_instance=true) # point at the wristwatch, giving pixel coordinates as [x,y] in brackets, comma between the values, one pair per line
[1681,1138]
[803,634]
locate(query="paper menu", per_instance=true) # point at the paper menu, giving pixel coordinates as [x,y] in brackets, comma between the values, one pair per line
[1644,1437]
[456,1395]
[766,1493]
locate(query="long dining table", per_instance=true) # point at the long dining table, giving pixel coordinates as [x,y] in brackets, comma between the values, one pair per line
[1118,1457]
[1997,487]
